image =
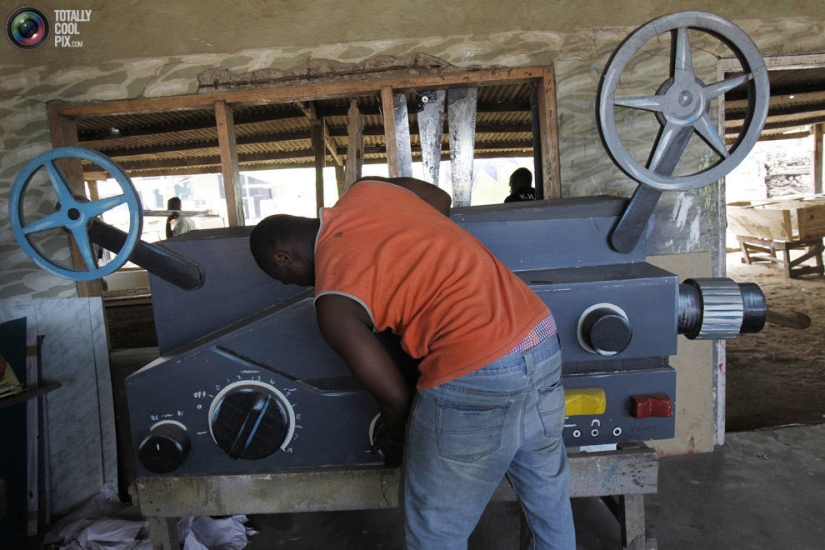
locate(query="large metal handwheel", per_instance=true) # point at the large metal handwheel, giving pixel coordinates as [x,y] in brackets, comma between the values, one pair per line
[75,214]
[681,106]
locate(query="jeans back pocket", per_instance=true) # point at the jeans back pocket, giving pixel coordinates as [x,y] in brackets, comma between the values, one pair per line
[467,432]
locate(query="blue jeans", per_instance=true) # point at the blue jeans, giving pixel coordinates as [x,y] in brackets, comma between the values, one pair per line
[465,435]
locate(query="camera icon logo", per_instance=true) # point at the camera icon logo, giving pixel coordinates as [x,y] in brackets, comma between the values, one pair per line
[27,27]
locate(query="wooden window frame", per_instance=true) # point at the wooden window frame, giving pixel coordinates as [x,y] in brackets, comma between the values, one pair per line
[64,129]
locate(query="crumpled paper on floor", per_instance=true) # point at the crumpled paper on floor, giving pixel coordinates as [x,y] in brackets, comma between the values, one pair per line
[104,522]
[206,533]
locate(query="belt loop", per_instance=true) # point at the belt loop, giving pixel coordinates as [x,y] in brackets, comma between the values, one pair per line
[529,362]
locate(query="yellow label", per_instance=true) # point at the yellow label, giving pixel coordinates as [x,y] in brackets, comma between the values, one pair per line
[584,401]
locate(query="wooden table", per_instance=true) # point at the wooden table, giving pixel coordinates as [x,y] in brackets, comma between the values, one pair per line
[765,250]
[621,477]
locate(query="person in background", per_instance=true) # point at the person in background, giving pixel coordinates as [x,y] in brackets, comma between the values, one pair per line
[182,224]
[521,186]
[490,400]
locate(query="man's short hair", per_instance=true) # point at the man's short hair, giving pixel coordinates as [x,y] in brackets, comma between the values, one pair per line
[521,178]
[271,233]
[173,204]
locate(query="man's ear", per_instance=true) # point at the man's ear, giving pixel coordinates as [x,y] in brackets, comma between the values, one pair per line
[282,258]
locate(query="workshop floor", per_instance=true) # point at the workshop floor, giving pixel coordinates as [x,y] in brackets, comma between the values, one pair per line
[761,490]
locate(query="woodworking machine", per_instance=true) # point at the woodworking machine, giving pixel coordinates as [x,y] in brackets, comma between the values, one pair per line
[245,382]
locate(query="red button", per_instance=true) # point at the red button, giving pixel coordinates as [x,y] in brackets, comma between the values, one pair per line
[651,405]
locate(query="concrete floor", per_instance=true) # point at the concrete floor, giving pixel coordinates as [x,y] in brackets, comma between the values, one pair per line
[761,490]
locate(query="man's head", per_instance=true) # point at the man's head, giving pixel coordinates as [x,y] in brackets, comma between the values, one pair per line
[520,179]
[173,204]
[284,248]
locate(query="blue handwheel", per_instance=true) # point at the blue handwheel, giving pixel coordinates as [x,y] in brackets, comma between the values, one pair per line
[75,213]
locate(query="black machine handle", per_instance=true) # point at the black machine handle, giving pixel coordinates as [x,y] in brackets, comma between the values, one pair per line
[167,265]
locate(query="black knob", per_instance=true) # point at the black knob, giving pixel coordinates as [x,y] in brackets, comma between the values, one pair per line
[250,421]
[605,330]
[164,448]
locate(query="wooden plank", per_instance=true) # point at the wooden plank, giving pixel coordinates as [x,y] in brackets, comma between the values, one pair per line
[819,129]
[389,131]
[461,115]
[319,147]
[286,93]
[230,169]
[355,145]
[546,97]
[402,135]
[331,148]
[64,134]
[431,132]
[765,224]
[339,180]
[630,471]
[779,220]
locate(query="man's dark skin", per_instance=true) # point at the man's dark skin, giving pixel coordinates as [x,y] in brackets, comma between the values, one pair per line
[172,204]
[346,325]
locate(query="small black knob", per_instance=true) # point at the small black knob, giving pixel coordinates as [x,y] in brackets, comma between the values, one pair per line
[164,448]
[605,330]
[250,422]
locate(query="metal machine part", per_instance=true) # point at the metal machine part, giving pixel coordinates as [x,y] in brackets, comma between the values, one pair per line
[681,106]
[720,309]
[73,213]
[267,393]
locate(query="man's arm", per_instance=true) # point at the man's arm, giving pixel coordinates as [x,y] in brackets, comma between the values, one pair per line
[347,328]
[169,232]
[432,194]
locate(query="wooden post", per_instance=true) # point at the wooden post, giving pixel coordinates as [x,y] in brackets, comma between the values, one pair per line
[64,134]
[319,148]
[546,98]
[538,171]
[818,133]
[355,145]
[229,164]
[461,115]
[339,180]
[388,109]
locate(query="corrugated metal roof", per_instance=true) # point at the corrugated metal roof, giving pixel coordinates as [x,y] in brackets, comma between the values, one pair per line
[279,134]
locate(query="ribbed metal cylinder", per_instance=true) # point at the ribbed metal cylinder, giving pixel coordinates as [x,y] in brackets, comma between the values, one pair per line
[722,308]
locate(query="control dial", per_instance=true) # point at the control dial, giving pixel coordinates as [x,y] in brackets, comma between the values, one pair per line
[165,447]
[604,329]
[251,420]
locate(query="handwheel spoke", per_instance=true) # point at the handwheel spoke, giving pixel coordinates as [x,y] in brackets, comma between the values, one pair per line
[59,182]
[669,145]
[682,59]
[100,206]
[715,90]
[52,221]
[654,103]
[704,127]
[85,247]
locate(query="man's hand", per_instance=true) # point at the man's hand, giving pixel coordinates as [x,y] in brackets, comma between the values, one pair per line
[391,449]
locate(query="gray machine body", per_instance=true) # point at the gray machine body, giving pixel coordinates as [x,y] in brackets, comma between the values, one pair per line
[243,328]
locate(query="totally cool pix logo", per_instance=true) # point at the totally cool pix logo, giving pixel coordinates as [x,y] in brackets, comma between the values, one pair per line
[27,27]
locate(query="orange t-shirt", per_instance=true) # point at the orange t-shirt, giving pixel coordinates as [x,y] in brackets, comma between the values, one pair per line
[425,278]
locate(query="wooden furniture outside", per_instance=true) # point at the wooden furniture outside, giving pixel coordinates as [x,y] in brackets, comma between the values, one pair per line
[765,228]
